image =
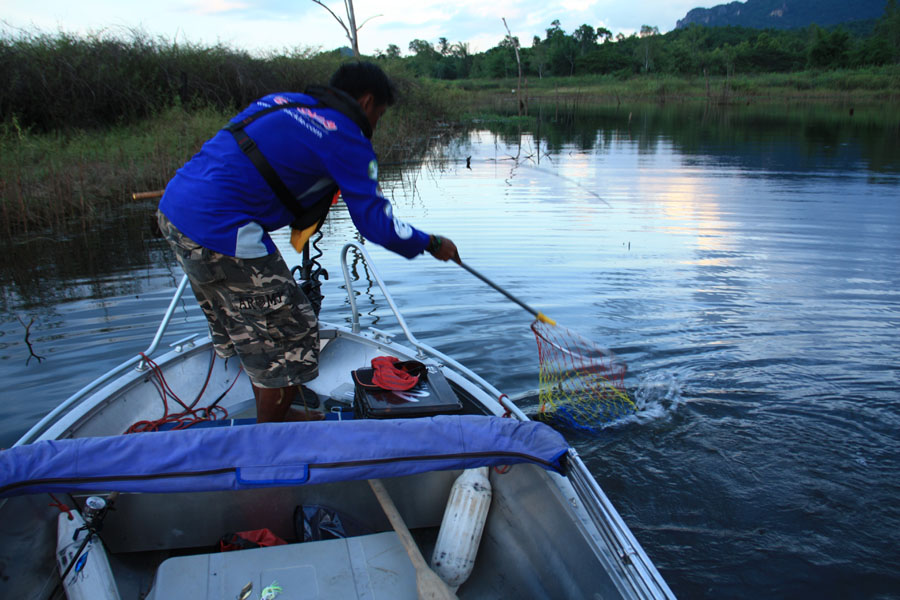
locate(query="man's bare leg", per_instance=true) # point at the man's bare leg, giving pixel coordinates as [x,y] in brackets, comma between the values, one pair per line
[274,405]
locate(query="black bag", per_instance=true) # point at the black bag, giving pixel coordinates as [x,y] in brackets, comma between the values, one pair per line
[431,396]
[313,523]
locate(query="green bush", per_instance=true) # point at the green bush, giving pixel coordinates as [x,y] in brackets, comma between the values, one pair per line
[60,81]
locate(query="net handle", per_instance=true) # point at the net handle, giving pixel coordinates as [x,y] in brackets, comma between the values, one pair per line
[538,315]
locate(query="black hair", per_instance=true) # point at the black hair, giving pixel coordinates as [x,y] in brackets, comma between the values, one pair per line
[359,78]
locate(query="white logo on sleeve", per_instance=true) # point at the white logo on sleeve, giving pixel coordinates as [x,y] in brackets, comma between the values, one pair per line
[403,230]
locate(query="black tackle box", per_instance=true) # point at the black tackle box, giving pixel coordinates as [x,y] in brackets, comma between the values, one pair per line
[432,395]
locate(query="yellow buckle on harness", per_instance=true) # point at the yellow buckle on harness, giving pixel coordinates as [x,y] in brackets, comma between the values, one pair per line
[299,238]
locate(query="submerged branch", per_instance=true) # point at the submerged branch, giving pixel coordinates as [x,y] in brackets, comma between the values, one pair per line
[27,341]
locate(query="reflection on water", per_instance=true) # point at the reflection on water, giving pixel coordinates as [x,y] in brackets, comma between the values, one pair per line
[780,138]
[744,262]
[103,256]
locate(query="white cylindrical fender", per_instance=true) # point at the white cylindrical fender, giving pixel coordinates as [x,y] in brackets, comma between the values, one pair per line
[91,577]
[461,528]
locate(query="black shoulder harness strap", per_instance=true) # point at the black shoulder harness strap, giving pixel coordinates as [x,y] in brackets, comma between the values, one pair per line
[326,98]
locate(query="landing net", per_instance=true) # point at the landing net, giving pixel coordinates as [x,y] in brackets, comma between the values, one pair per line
[581,384]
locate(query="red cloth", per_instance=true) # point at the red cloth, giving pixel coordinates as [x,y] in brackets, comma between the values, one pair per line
[387,376]
[242,540]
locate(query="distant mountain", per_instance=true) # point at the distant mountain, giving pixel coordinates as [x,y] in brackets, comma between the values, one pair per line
[784,14]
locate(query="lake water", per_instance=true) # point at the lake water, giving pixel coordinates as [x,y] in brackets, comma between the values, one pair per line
[744,263]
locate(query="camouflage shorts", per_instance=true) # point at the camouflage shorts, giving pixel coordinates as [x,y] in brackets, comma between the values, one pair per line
[254,308]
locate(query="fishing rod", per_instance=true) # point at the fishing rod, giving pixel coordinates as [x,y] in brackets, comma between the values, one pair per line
[538,315]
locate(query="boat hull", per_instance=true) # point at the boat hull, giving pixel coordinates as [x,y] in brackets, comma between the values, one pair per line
[547,534]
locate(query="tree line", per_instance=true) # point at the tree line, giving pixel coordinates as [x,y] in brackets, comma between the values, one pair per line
[695,50]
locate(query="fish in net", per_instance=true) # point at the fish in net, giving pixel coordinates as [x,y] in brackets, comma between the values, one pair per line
[581,384]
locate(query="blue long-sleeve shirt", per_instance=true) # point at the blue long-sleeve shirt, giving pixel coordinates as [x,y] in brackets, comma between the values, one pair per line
[219,199]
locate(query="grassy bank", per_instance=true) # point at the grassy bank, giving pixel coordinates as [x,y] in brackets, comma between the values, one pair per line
[875,85]
[47,179]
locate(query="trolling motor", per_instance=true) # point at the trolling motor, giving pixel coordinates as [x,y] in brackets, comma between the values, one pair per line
[307,274]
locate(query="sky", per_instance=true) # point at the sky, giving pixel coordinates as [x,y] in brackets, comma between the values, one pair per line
[263,26]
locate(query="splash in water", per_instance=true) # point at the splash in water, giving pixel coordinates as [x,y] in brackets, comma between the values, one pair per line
[658,395]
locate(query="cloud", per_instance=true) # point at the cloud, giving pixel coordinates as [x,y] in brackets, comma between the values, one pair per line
[214,7]
[419,14]
[578,5]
